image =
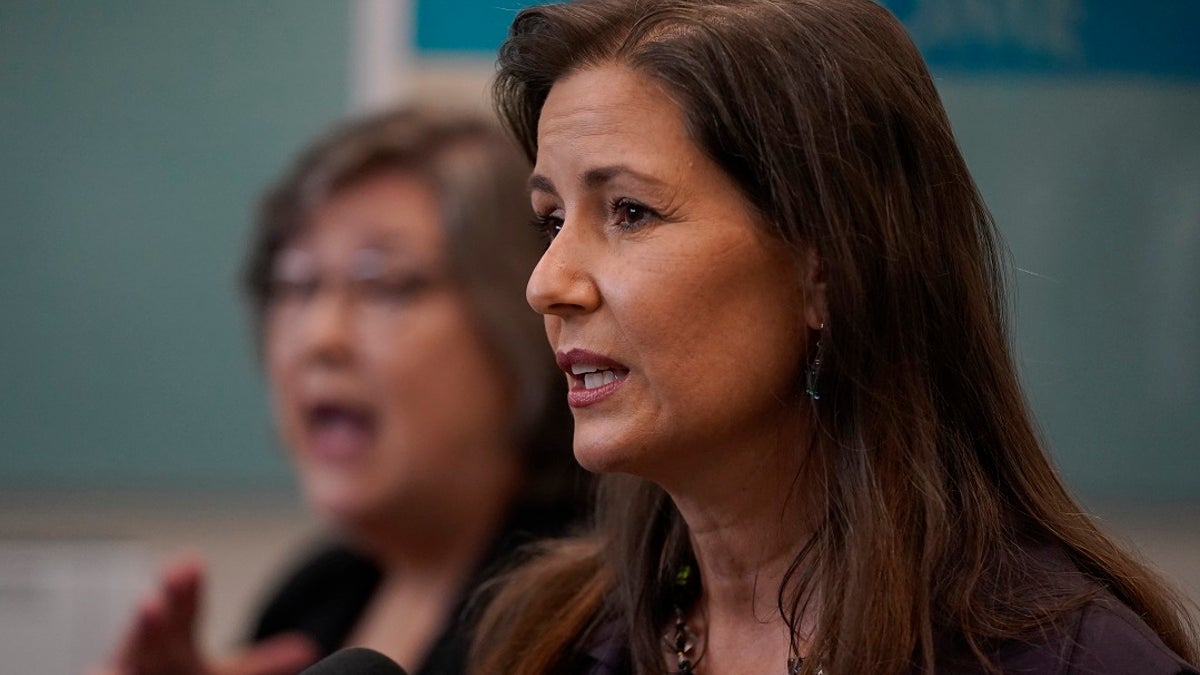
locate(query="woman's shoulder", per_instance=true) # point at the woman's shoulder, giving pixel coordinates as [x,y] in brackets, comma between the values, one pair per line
[322,594]
[1111,638]
[536,616]
[1103,637]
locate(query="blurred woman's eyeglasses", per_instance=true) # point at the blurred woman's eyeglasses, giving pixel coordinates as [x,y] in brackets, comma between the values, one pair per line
[371,281]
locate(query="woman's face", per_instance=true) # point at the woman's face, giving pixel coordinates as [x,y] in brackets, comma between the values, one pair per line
[382,386]
[661,279]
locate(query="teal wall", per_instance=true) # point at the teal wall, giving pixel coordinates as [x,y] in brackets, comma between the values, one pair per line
[134,137]
[1095,184]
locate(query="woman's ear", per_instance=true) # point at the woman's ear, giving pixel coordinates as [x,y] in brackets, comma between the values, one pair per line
[813,282]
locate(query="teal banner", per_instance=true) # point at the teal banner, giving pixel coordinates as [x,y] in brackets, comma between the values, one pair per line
[1078,37]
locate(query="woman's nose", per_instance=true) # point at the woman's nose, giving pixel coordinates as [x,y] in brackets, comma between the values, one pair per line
[328,328]
[562,282]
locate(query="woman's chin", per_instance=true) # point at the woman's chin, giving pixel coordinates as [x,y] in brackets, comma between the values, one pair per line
[338,513]
[342,506]
[606,457]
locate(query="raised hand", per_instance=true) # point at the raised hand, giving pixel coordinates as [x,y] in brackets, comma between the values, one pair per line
[162,638]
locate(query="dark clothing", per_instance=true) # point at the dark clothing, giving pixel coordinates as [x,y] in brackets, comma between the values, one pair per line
[323,598]
[1103,637]
[327,595]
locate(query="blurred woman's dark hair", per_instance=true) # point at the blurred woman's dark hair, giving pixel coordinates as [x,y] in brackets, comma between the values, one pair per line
[931,486]
[478,176]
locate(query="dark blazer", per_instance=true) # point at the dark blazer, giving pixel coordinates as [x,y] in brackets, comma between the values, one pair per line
[1104,637]
[325,596]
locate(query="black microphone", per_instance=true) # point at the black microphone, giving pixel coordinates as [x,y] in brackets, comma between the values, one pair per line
[354,661]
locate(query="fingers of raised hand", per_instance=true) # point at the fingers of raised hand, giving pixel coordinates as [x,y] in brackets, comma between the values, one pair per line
[161,638]
[285,654]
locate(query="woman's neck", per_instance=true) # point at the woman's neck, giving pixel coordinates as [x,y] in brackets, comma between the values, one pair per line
[427,560]
[746,525]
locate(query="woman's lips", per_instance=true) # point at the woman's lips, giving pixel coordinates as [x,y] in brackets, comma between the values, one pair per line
[593,377]
[339,433]
[580,396]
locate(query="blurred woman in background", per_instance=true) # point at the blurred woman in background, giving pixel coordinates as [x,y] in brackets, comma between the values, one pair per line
[410,386]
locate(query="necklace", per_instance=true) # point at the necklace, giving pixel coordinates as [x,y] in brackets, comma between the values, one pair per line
[682,641]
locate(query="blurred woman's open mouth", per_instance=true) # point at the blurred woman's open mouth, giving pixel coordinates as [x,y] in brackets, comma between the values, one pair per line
[339,431]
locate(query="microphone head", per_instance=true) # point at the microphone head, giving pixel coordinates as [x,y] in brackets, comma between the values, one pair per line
[355,661]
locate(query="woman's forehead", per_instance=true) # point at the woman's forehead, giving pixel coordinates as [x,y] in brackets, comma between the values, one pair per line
[392,213]
[610,122]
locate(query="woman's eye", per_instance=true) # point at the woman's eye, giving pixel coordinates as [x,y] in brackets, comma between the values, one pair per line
[395,289]
[291,289]
[631,215]
[548,225]
[293,275]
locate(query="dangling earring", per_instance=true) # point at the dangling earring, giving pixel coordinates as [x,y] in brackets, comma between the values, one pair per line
[814,369]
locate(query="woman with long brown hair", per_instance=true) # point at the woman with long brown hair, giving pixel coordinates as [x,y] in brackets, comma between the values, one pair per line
[779,303]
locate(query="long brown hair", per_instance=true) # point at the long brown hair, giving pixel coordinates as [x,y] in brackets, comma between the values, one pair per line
[936,491]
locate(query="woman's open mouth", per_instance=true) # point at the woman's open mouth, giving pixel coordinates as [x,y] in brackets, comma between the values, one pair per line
[593,377]
[338,431]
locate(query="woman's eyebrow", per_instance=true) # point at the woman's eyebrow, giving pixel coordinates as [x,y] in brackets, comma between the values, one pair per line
[388,241]
[394,247]
[539,183]
[603,174]
[594,178]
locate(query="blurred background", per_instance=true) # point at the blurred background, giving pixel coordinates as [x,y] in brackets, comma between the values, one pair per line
[135,136]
